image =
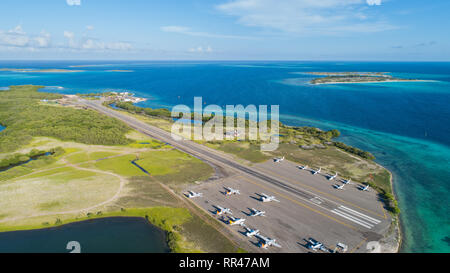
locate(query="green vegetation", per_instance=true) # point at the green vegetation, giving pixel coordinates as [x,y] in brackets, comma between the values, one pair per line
[120,165]
[174,166]
[17,159]
[245,150]
[24,118]
[353,77]
[163,112]
[13,165]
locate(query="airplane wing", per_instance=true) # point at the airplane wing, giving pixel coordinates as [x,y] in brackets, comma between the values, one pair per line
[265,195]
[277,245]
[261,237]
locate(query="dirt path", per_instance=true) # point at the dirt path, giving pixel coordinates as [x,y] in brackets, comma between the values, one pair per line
[122,183]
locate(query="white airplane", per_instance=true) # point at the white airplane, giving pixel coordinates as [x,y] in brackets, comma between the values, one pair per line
[193,194]
[315,245]
[346,181]
[220,210]
[317,171]
[231,191]
[255,212]
[265,198]
[251,232]
[265,242]
[337,187]
[278,159]
[366,188]
[303,167]
[236,221]
[333,177]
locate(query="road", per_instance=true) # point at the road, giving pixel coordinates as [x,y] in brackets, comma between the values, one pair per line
[340,211]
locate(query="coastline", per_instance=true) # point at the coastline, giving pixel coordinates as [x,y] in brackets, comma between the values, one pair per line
[392,241]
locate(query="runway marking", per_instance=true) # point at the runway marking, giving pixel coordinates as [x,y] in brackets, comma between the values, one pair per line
[352,218]
[314,189]
[301,204]
[316,200]
[368,218]
[357,246]
[384,211]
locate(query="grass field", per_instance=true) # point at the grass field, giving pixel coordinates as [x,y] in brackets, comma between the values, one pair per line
[65,190]
[244,150]
[334,160]
[85,183]
[174,166]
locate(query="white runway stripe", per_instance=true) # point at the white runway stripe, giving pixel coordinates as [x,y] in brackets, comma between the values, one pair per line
[367,218]
[353,219]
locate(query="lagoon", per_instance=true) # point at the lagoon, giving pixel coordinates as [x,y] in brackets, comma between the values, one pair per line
[103,235]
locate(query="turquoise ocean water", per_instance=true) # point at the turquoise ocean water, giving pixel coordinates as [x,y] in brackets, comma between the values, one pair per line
[405,125]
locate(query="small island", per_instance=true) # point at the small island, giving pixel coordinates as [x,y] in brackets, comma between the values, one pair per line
[31,70]
[355,77]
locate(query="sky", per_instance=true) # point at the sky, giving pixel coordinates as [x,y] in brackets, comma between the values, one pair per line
[354,30]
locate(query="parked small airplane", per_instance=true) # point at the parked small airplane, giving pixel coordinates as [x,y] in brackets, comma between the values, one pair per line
[346,181]
[192,194]
[278,159]
[333,177]
[337,187]
[265,242]
[266,198]
[251,232]
[220,210]
[255,212]
[366,188]
[236,221]
[231,191]
[315,245]
[317,171]
[303,167]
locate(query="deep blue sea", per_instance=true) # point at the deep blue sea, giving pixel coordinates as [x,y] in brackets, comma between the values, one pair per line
[405,125]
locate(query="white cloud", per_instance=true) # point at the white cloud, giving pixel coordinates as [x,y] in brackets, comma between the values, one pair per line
[43,40]
[305,16]
[15,37]
[73,2]
[188,31]
[70,36]
[94,44]
[373,2]
[90,27]
[201,49]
